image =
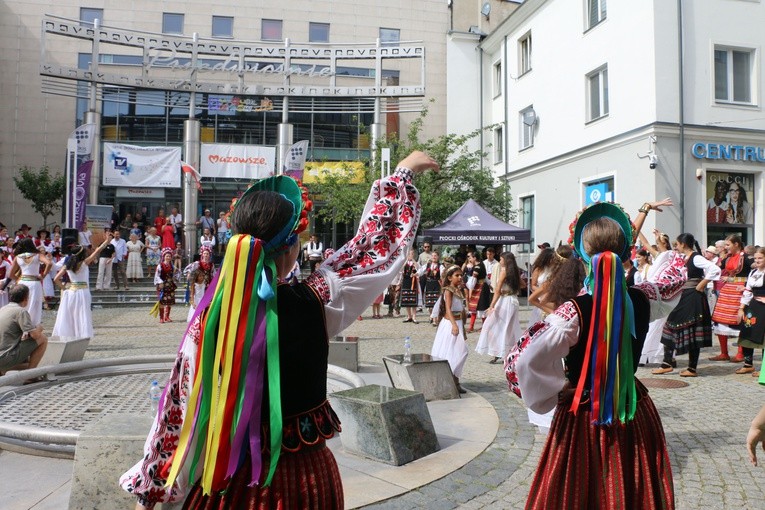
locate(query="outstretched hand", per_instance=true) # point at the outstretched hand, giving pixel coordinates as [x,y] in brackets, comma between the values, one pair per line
[656,206]
[419,162]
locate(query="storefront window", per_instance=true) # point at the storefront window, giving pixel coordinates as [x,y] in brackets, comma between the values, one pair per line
[730,206]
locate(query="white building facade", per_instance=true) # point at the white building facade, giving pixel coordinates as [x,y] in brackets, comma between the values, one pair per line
[587,100]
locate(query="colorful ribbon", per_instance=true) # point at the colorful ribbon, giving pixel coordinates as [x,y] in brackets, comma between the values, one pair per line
[608,354]
[239,344]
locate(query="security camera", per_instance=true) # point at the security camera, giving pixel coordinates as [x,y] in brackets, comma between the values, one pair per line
[652,160]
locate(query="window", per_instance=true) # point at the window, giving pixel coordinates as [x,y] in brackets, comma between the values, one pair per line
[733,75]
[528,118]
[497,79]
[89,15]
[524,59]
[222,26]
[596,12]
[271,29]
[527,221]
[172,23]
[499,145]
[597,93]
[390,36]
[318,32]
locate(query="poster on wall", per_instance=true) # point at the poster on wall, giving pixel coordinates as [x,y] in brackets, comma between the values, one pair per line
[730,198]
[135,166]
[220,160]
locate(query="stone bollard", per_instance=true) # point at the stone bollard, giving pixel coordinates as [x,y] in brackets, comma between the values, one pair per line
[344,352]
[64,351]
[423,373]
[105,450]
[386,424]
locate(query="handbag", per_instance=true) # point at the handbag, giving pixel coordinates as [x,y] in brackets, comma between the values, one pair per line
[386,298]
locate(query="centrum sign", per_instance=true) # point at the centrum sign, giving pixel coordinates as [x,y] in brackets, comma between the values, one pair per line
[195,64]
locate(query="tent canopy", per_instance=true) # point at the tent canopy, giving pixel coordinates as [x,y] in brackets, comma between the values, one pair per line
[472,224]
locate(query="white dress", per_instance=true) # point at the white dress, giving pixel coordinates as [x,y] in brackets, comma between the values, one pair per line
[30,272]
[134,265]
[653,349]
[74,319]
[199,291]
[451,347]
[501,328]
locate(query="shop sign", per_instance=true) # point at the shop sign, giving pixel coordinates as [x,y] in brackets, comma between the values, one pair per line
[140,193]
[728,152]
[236,161]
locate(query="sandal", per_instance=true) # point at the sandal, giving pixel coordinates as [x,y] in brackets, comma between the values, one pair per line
[689,372]
[746,369]
[665,368]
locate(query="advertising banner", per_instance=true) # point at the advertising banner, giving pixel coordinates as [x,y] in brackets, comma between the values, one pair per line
[730,198]
[135,166]
[220,160]
[294,160]
[79,162]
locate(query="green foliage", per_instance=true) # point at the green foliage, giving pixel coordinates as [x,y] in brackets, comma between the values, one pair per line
[44,190]
[461,177]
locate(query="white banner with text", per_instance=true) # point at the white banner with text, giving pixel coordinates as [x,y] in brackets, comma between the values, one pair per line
[237,161]
[135,166]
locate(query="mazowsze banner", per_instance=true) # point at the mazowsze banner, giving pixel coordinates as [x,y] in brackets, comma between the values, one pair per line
[135,166]
[237,161]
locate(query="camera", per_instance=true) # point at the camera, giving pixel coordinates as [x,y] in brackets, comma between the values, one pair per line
[652,161]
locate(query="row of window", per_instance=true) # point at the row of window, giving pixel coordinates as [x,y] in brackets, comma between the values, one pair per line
[734,81]
[223,26]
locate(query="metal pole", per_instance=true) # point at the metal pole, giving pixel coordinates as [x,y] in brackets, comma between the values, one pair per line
[93,116]
[191,151]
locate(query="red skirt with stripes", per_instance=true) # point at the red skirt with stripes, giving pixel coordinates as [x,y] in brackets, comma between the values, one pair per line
[585,466]
[307,479]
[728,302]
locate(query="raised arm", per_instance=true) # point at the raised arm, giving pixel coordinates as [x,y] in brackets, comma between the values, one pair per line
[93,256]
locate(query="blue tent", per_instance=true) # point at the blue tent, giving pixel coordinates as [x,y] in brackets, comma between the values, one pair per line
[472,224]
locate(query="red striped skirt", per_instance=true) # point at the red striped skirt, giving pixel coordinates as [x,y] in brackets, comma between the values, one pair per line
[728,302]
[307,479]
[585,466]
[475,295]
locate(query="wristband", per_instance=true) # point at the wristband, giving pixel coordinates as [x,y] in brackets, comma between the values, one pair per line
[646,207]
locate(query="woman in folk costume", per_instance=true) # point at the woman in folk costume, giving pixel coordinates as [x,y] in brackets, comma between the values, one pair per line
[606,447]
[245,416]
[751,313]
[409,286]
[74,318]
[432,272]
[449,343]
[199,279]
[27,263]
[475,272]
[688,327]
[725,316]
[502,328]
[653,350]
[164,279]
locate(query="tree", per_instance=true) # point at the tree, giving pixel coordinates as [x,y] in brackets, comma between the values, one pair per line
[461,177]
[43,190]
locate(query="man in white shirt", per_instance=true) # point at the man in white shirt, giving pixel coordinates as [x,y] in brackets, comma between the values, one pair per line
[120,260]
[176,220]
[312,250]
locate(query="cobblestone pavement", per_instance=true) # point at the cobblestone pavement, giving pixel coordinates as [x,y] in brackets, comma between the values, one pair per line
[705,422]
